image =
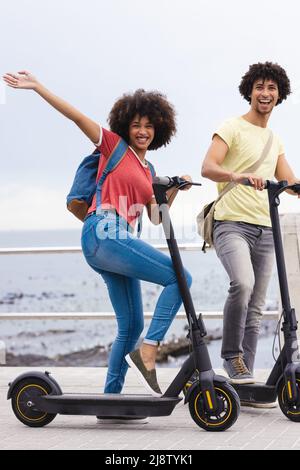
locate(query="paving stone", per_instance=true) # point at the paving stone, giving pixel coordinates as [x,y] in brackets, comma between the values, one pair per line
[254,429]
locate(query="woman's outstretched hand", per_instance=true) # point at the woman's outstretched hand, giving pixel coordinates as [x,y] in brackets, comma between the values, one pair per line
[26,80]
[22,79]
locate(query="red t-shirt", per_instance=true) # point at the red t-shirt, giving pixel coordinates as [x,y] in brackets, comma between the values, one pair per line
[128,188]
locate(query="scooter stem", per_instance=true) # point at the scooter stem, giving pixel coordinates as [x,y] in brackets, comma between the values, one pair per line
[289,326]
[197,329]
[274,190]
[161,199]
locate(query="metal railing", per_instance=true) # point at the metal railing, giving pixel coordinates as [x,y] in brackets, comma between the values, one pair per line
[207,315]
[272,314]
[95,315]
[76,249]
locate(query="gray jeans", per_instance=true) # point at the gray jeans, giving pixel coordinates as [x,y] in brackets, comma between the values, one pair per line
[247,254]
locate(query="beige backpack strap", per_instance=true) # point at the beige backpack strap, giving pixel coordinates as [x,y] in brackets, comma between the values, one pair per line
[264,154]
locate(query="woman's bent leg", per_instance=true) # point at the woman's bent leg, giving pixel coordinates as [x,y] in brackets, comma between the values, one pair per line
[134,258]
[112,251]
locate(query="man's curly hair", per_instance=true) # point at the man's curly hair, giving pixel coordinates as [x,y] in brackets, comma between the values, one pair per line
[266,71]
[152,104]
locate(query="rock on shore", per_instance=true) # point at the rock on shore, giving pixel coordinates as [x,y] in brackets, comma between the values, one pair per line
[98,356]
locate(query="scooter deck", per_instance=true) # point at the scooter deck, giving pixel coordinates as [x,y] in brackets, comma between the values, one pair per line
[107,404]
[257,392]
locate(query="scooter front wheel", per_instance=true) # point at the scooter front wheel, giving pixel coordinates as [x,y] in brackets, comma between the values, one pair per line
[23,404]
[227,411]
[290,410]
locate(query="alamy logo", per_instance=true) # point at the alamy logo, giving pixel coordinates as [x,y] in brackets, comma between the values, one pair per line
[115,226]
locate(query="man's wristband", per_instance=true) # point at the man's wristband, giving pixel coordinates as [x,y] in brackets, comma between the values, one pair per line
[231,177]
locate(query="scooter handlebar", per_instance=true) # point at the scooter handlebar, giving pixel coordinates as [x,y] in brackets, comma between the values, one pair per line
[174,181]
[283,185]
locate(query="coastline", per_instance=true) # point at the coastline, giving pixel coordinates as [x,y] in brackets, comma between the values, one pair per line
[172,352]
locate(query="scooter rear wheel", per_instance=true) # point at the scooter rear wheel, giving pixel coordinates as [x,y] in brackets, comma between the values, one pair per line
[23,402]
[291,411]
[226,414]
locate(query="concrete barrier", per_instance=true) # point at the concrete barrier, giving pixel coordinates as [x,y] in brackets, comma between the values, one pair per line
[290,224]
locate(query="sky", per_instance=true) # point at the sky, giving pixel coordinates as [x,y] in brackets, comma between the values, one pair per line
[91,52]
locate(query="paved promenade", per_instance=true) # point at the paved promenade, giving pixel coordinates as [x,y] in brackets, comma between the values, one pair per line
[255,429]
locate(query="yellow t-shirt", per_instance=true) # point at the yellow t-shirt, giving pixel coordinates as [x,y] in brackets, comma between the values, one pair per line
[246,143]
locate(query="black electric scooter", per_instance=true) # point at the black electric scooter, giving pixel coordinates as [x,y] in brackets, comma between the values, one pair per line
[214,405]
[284,380]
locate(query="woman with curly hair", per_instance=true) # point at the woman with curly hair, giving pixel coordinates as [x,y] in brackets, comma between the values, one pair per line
[242,228]
[146,121]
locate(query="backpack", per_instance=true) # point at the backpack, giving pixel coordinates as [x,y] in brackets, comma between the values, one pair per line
[85,183]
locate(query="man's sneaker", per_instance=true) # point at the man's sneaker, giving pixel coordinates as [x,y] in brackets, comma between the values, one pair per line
[123,419]
[237,371]
[146,377]
[261,405]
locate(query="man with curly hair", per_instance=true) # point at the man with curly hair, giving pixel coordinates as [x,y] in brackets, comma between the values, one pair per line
[242,227]
[146,121]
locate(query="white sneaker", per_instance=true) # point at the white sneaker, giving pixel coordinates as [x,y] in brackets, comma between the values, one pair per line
[122,420]
[261,405]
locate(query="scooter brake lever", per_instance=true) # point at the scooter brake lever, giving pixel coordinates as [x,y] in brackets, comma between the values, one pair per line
[296,188]
[181,183]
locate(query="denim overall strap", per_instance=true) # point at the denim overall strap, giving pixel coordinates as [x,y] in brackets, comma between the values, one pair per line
[114,159]
[140,219]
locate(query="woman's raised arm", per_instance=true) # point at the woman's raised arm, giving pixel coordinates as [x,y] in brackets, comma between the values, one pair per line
[25,80]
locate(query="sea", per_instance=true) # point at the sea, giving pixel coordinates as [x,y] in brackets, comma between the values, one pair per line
[65,283]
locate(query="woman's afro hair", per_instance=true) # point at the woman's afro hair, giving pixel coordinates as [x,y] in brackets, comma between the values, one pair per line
[266,71]
[152,104]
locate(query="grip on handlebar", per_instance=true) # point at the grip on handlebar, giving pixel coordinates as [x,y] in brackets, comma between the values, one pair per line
[162,180]
[246,182]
